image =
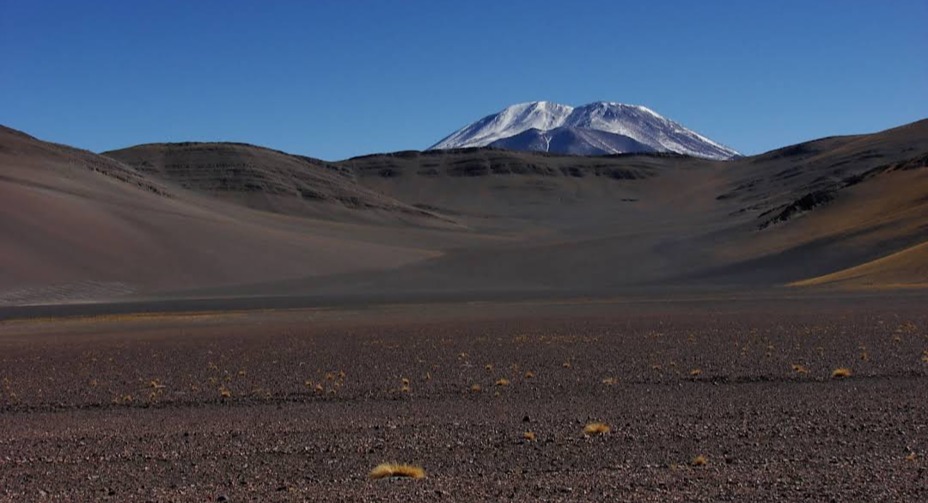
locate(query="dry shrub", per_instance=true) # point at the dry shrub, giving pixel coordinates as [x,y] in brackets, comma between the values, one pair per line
[385,470]
[700,460]
[596,429]
[840,373]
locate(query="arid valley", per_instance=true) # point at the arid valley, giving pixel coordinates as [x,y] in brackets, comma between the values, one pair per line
[224,322]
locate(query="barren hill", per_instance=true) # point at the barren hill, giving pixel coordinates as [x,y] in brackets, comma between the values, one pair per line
[257,177]
[232,220]
[78,227]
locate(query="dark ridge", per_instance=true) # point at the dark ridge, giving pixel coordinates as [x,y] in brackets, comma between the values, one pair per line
[821,197]
[413,154]
[803,204]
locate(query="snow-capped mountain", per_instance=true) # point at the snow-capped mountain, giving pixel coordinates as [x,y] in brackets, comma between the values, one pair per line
[593,129]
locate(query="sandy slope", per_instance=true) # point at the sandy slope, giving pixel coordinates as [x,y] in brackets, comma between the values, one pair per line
[905,269]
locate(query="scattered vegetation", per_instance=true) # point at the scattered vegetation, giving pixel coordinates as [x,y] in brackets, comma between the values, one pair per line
[475,388]
[330,383]
[157,389]
[386,470]
[800,369]
[696,372]
[529,436]
[592,429]
[609,381]
[502,381]
[529,375]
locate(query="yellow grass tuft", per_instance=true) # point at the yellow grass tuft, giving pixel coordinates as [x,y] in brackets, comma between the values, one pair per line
[925,356]
[911,456]
[502,381]
[596,429]
[385,470]
[567,365]
[800,369]
[529,436]
[840,373]
[488,367]
[696,372]
[529,375]
[700,460]
[475,388]
[225,393]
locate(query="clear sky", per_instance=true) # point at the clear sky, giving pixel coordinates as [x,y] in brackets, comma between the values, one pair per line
[338,78]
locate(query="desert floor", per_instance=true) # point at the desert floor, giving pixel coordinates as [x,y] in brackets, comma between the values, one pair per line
[300,405]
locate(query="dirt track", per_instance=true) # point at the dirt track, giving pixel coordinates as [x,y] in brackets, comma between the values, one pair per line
[133,408]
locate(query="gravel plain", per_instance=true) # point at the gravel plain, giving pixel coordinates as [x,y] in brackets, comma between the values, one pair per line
[300,405]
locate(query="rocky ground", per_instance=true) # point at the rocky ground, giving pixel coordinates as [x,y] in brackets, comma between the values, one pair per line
[706,401]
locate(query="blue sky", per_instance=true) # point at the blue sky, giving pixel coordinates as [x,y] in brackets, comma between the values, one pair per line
[333,79]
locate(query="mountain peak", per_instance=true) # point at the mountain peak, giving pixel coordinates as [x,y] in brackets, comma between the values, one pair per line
[634,127]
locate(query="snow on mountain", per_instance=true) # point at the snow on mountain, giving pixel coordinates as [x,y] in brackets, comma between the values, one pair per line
[573,141]
[542,115]
[585,125]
